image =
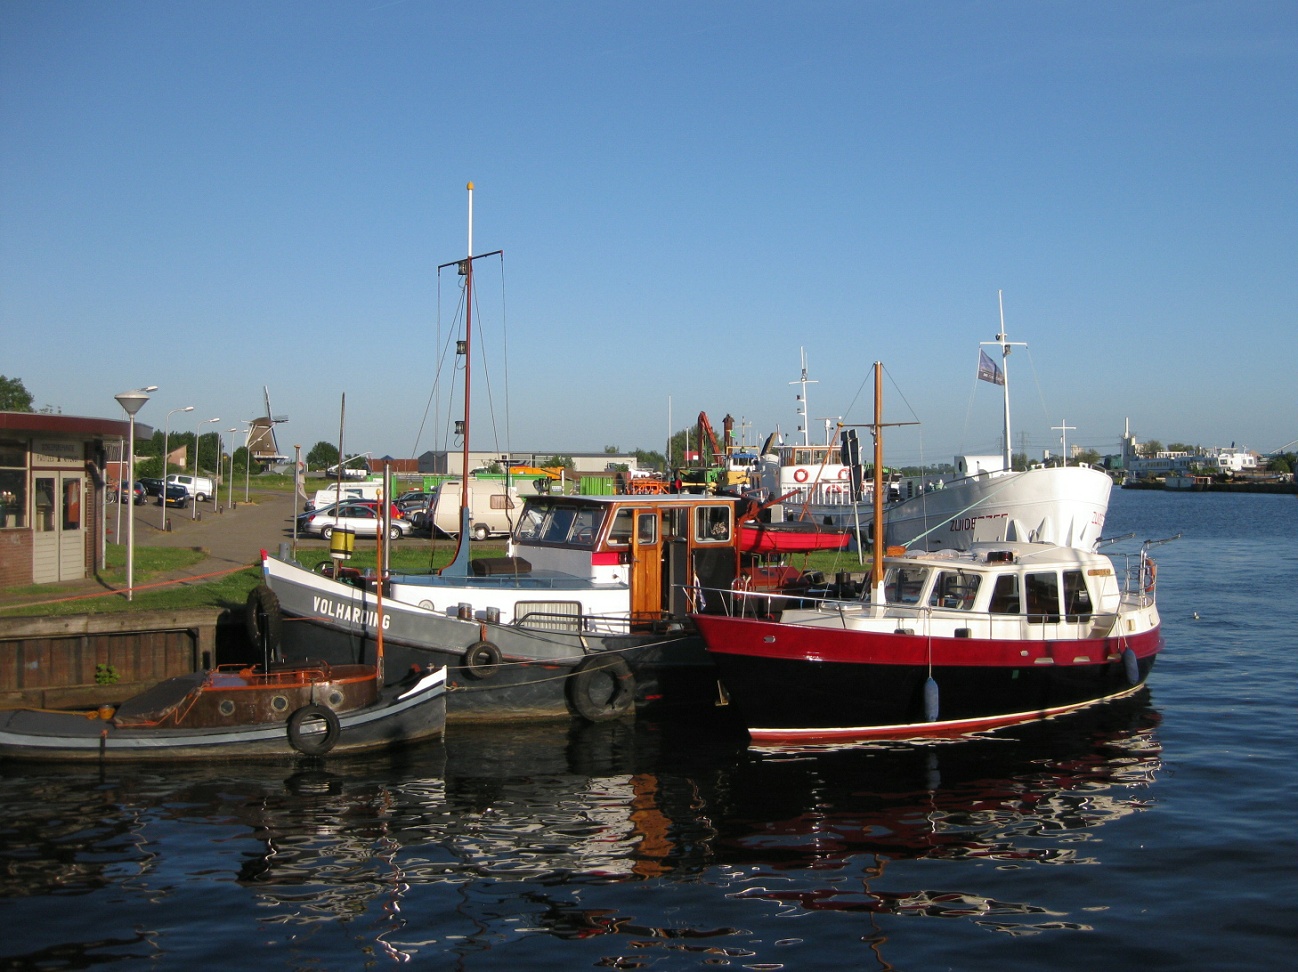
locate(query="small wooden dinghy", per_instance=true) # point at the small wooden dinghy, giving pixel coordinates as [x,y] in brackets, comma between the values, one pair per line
[232,711]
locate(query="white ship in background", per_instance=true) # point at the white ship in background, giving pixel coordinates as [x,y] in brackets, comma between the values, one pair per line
[986,501]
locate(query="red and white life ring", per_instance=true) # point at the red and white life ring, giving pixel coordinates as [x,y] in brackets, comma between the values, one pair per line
[799,475]
[843,473]
[833,490]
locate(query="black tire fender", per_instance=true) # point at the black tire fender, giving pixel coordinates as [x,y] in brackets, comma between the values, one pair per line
[601,687]
[310,742]
[263,618]
[481,660]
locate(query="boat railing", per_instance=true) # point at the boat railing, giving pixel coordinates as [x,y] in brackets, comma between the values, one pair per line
[922,619]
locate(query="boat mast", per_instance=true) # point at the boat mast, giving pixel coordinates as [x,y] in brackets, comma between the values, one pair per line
[803,412]
[459,565]
[1005,344]
[876,566]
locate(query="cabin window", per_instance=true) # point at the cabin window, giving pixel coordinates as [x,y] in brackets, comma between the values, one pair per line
[646,530]
[954,589]
[1042,592]
[568,526]
[619,534]
[904,585]
[1005,595]
[712,524]
[1077,599]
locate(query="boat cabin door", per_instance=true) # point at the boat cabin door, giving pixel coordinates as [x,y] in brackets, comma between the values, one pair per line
[646,568]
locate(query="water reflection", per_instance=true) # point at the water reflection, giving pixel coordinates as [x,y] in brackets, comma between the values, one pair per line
[504,835]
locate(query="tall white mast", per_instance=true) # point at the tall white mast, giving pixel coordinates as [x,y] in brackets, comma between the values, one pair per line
[1005,344]
[803,411]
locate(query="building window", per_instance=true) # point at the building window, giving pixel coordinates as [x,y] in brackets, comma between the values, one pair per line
[13,485]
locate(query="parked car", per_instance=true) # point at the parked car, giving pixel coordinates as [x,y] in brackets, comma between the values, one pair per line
[175,495]
[152,487]
[361,518]
[126,494]
[416,499]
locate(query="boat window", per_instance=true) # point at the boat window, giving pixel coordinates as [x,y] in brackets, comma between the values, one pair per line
[904,585]
[1077,599]
[1005,595]
[530,523]
[569,526]
[647,529]
[619,534]
[1042,592]
[954,589]
[712,524]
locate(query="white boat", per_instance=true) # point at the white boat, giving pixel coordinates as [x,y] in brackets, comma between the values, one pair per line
[986,502]
[940,642]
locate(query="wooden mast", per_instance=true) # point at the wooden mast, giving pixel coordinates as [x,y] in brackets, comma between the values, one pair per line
[459,565]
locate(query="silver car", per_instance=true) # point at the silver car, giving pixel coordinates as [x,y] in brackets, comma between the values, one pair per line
[360,518]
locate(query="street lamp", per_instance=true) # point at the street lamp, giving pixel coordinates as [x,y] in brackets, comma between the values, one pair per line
[193,515]
[166,423]
[247,465]
[132,402]
[230,491]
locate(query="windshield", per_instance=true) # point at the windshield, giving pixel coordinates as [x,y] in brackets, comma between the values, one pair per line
[561,524]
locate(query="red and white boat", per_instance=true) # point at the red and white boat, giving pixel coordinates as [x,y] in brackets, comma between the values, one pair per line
[940,643]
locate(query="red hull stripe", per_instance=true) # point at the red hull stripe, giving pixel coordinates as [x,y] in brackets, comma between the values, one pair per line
[791,642]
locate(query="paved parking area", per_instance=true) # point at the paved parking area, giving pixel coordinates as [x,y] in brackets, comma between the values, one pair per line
[231,536]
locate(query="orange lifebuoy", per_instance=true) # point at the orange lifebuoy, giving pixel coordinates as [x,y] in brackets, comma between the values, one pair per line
[843,473]
[799,475]
[1151,576]
[833,489]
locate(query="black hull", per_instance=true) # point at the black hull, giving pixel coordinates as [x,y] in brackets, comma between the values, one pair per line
[675,672]
[780,699]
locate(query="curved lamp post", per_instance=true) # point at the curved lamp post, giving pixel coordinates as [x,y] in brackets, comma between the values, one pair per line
[166,429]
[132,402]
[193,500]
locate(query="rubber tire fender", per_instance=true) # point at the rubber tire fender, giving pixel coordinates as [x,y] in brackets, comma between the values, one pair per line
[481,660]
[584,687]
[313,745]
[262,617]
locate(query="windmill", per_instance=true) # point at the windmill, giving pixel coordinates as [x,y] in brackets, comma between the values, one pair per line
[261,436]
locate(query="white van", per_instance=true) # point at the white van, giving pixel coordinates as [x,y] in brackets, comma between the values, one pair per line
[200,488]
[492,511]
[351,491]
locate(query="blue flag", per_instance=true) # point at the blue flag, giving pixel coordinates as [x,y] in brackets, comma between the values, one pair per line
[988,370]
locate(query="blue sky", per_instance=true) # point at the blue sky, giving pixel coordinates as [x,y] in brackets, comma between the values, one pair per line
[217,197]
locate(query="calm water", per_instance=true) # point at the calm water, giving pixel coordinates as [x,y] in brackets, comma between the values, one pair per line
[1158,833]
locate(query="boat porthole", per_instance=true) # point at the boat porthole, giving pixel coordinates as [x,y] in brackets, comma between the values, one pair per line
[279,703]
[226,707]
[426,605]
[335,698]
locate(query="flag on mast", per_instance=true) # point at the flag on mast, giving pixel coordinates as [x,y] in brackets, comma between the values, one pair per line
[988,370]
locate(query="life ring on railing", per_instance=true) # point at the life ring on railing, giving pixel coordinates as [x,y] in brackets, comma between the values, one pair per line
[262,618]
[799,475]
[313,730]
[1151,576]
[833,490]
[843,473]
[481,660]
[601,687]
